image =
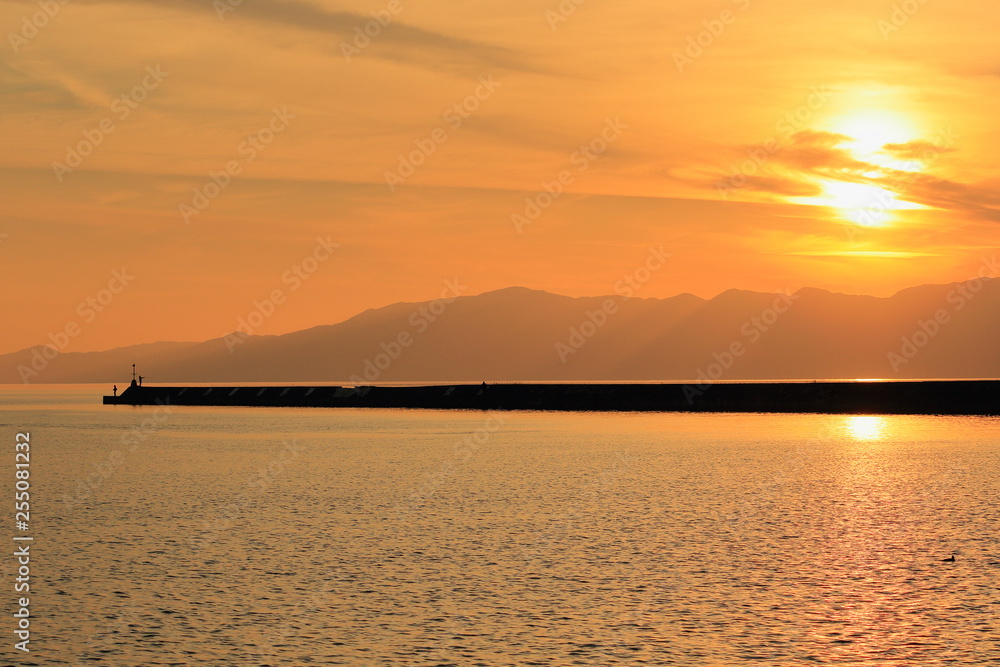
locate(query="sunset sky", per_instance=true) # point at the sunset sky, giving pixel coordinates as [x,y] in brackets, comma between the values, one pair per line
[768,145]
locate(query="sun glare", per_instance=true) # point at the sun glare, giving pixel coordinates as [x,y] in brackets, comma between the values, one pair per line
[866,133]
[866,205]
[870,131]
[865,427]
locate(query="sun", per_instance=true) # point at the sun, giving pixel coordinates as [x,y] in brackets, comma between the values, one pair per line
[868,132]
[868,198]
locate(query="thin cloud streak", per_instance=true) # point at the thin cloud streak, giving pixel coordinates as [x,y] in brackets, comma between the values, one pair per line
[397,42]
[816,156]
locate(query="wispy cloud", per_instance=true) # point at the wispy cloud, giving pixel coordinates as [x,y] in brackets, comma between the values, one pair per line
[875,254]
[20,91]
[915,150]
[814,157]
[398,41]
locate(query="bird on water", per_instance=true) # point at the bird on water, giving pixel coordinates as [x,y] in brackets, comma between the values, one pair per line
[949,559]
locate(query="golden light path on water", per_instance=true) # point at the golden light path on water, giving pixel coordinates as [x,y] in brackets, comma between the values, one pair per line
[866,427]
[383,537]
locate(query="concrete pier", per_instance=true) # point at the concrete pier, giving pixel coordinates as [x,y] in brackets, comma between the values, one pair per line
[946,397]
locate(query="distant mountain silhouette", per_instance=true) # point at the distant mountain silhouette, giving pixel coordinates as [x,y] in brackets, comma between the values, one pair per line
[522,334]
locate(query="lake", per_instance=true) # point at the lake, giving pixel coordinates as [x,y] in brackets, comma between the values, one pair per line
[252,536]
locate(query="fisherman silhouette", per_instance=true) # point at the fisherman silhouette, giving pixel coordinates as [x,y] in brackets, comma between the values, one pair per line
[116,390]
[140,380]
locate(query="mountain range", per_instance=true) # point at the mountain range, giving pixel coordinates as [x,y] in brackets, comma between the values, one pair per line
[520,334]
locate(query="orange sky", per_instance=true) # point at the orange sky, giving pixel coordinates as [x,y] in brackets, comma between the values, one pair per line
[840,146]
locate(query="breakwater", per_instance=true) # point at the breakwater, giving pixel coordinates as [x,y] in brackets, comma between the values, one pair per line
[946,397]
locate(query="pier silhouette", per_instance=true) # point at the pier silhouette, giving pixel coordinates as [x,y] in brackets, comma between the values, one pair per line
[946,397]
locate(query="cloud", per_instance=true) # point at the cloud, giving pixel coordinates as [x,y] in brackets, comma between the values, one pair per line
[981,201]
[876,254]
[915,150]
[397,41]
[20,92]
[788,187]
[811,150]
[810,157]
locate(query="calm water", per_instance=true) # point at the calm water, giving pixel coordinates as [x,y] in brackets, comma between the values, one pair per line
[270,536]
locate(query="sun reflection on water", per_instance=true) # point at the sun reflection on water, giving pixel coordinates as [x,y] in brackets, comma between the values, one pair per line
[866,428]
